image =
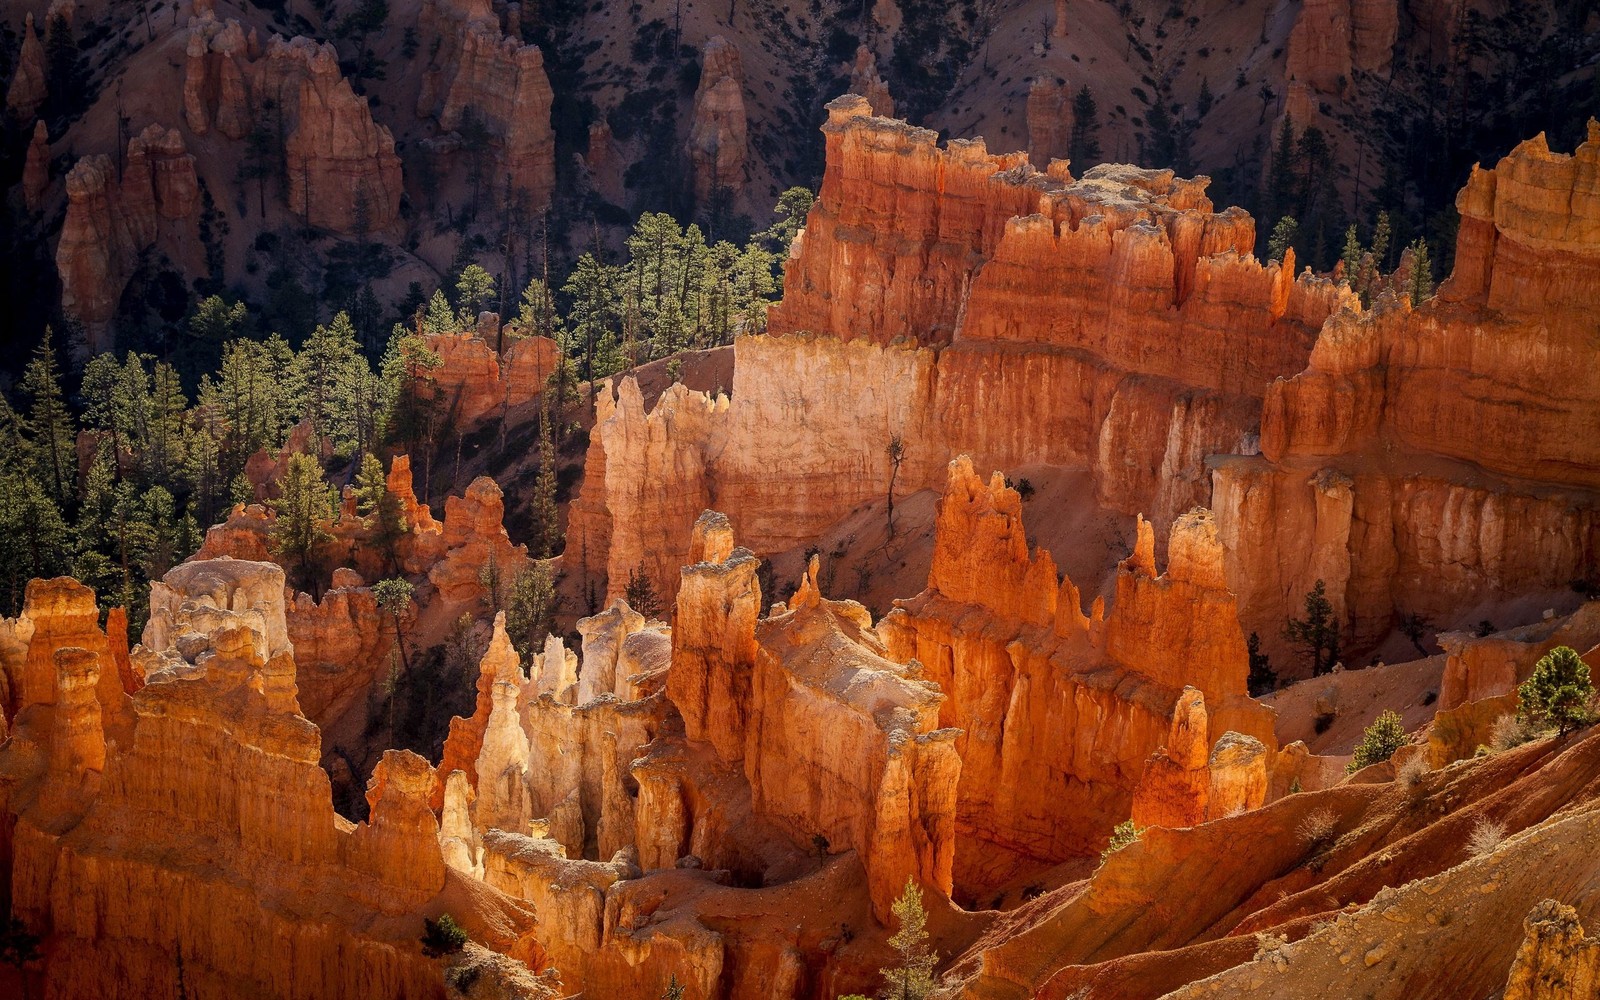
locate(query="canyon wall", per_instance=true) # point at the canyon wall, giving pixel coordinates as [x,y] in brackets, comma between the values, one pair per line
[478,70]
[112,218]
[241,877]
[1058,709]
[960,302]
[475,381]
[1437,460]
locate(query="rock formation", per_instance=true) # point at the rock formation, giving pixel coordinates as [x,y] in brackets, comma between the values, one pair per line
[1364,480]
[342,173]
[864,80]
[111,220]
[1049,119]
[502,81]
[36,170]
[474,381]
[1557,959]
[217,764]
[1046,276]
[1059,710]
[718,145]
[27,90]
[1331,42]
[1176,783]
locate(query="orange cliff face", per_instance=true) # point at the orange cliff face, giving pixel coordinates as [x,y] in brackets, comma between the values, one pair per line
[963,302]
[1059,710]
[1368,478]
[237,843]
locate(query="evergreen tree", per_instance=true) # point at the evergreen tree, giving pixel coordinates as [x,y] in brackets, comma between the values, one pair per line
[1283,178]
[912,978]
[1350,257]
[381,509]
[545,510]
[305,507]
[530,612]
[439,318]
[1420,287]
[394,597]
[1379,741]
[50,425]
[1318,632]
[1284,235]
[590,290]
[1083,145]
[1262,678]
[641,593]
[213,326]
[1205,99]
[474,292]
[1558,691]
[1380,242]
[794,204]
[334,373]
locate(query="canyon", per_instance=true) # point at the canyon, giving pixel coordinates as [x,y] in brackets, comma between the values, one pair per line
[1080,454]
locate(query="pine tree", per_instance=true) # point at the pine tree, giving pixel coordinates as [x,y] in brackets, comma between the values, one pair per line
[439,318]
[333,371]
[1350,257]
[305,507]
[384,517]
[1284,235]
[1204,101]
[641,593]
[1558,691]
[1318,632]
[1083,146]
[1420,287]
[1262,678]
[545,509]
[1379,741]
[474,292]
[1283,179]
[530,611]
[912,979]
[394,597]
[1380,242]
[50,425]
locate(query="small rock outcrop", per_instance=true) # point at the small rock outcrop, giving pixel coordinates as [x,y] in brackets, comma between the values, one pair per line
[28,89]
[1557,959]
[36,170]
[1049,119]
[718,145]
[111,220]
[502,82]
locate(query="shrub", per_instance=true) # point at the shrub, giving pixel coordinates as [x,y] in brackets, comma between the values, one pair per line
[442,937]
[1379,741]
[1559,691]
[1510,731]
[1318,827]
[1485,837]
[1412,771]
[1122,835]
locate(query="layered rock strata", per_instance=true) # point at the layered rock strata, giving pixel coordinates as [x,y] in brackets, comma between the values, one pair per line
[1058,709]
[1365,479]
[1046,275]
[111,219]
[502,82]
[718,143]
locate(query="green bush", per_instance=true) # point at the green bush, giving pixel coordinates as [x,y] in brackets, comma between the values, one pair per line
[1558,692]
[1379,742]
[1122,835]
[443,936]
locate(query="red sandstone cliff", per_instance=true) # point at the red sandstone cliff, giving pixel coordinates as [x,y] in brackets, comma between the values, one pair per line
[1366,479]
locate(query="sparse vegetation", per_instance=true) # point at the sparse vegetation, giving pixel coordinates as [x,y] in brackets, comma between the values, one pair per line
[1318,827]
[1379,741]
[641,593]
[1485,837]
[1318,633]
[443,936]
[1558,693]
[1122,835]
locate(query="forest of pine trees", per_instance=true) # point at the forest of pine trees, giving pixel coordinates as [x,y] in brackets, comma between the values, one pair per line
[112,472]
